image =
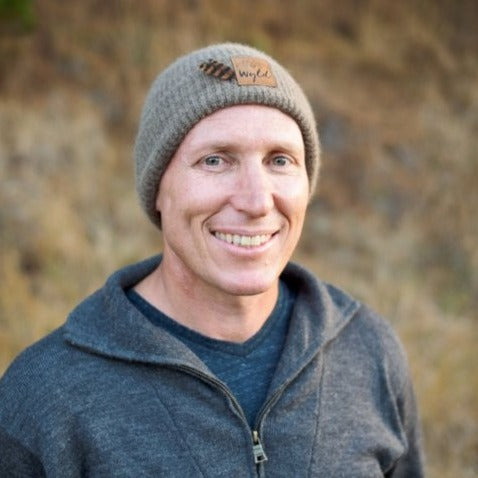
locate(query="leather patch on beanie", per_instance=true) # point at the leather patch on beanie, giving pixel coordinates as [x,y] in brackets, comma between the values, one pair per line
[253,71]
[216,69]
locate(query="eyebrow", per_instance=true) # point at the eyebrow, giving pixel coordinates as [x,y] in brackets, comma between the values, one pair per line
[276,146]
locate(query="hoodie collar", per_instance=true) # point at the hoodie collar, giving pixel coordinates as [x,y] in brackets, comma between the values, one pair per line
[106,323]
[320,313]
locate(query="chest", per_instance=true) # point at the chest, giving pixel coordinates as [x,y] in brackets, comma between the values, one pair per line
[172,422]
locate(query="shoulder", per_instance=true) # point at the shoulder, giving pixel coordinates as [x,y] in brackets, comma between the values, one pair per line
[37,367]
[374,345]
[378,334]
[348,324]
[39,378]
[53,365]
[32,387]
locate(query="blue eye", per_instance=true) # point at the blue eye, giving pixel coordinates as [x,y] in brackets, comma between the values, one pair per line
[280,160]
[212,160]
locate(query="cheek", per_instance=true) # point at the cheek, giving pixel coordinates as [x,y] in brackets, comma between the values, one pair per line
[172,192]
[188,201]
[294,196]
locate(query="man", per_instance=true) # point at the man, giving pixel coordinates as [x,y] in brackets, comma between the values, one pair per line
[218,358]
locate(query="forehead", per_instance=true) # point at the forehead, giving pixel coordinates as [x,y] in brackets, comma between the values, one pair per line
[251,125]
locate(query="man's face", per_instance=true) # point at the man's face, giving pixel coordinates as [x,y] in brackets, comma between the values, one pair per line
[233,201]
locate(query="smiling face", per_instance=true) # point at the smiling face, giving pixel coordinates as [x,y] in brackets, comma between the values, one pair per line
[233,200]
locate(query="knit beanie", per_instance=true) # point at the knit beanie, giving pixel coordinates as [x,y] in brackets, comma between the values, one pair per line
[200,83]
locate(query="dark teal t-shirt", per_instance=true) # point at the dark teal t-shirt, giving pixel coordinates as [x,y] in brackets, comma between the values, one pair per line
[246,368]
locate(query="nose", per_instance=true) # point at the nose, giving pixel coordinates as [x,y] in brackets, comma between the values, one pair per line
[253,192]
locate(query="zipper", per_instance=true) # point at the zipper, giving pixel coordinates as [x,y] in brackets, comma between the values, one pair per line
[259,453]
[257,449]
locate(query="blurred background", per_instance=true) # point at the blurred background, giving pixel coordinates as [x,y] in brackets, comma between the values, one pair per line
[394,86]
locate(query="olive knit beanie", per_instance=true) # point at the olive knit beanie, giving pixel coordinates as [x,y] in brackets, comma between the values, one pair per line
[200,83]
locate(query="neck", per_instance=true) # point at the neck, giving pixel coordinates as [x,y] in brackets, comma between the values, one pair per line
[207,310]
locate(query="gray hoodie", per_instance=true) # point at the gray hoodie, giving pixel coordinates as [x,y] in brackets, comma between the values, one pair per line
[111,395]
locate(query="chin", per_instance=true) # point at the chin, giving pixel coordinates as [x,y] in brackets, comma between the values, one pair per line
[247,291]
[249,286]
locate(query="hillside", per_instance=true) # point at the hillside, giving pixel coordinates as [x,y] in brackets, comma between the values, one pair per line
[394,86]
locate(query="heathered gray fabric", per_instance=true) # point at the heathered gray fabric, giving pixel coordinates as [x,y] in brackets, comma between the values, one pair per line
[182,95]
[109,394]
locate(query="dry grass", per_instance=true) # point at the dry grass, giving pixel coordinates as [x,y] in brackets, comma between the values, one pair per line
[394,88]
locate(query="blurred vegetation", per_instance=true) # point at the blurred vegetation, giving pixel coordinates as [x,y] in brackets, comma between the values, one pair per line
[17,15]
[394,88]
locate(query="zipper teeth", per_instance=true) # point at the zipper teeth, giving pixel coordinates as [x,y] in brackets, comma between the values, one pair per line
[255,432]
[270,402]
[218,384]
[211,380]
[237,405]
[256,441]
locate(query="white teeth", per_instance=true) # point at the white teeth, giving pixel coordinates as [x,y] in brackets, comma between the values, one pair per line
[243,241]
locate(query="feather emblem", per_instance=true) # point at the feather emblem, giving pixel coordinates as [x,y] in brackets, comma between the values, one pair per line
[217,69]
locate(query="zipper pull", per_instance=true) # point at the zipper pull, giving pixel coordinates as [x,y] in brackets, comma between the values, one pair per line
[259,453]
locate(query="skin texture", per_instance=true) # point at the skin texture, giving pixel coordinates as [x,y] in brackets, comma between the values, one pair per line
[238,176]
